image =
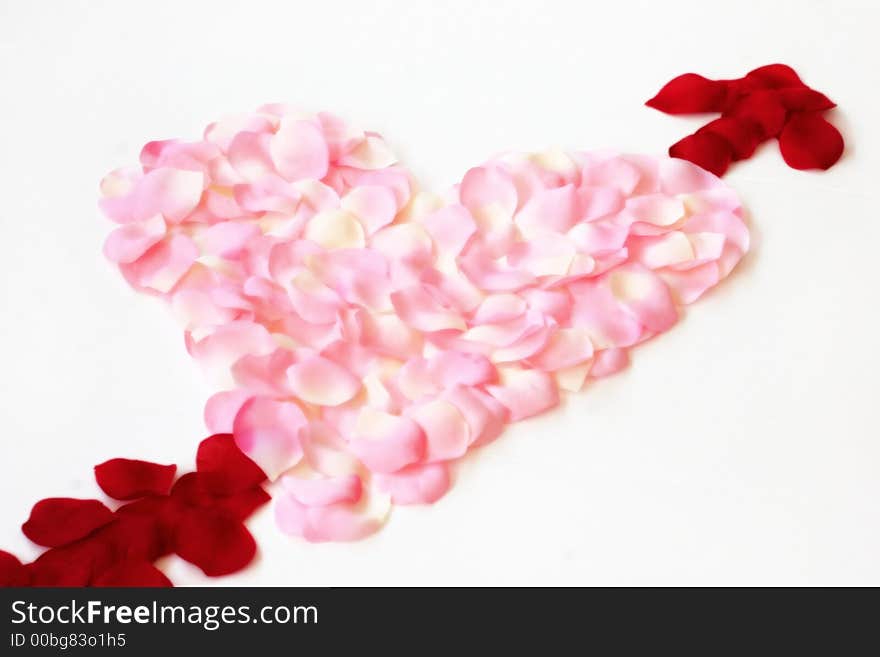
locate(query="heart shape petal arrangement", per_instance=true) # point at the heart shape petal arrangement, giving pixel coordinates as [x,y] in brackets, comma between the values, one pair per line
[365,334]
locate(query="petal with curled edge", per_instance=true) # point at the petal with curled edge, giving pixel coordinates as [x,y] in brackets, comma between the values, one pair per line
[416,484]
[268,432]
[170,192]
[524,392]
[130,241]
[386,442]
[446,431]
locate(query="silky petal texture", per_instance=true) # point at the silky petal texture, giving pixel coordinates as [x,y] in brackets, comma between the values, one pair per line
[386,442]
[689,94]
[321,381]
[62,520]
[135,573]
[809,142]
[215,541]
[323,491]
[299,151]
[416,484]
[126,479]
[770,101]
[129,242]
[169,192]
[366,337]
[268,432]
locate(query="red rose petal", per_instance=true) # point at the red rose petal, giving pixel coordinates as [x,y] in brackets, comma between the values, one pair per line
[775,76]
[765,108]
[809,142]
[705,149]
[61,520]
[243,504]
[805,100]
[126,479]
[742,134]
[690,93]
[133,573]
[72,565]
[228,469]
[215,541]
[12,572]
[194,489]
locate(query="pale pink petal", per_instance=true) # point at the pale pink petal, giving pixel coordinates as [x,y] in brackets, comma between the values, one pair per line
[420,310]
[320,381]
[129,242]
[645,294]
[371,153]
[249,155]
[446,430]
[226,238]
[334,522]
[547,254]
[221,409]
[264,374]
[565,348]
[487,186]
[550,210]
[373,205]
[385,442]
[223,131]
[606,320]
[597,202]
[170,192]
[323,491]
[598,237]
[268,432]
[525,392]
[217,352]
[162,265]
[299,150]
[270,193]
[416,484]
[450,368]
[341,137]
[484,415]
[608,362]
[657,209]
[497,308]
[450,227]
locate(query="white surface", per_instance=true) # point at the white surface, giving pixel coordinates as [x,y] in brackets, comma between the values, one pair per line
[741,448]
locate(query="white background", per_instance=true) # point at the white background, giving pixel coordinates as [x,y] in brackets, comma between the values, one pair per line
[740,448]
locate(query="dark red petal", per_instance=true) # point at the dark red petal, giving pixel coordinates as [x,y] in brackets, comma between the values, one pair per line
[135,537]
[765,108]
[704,149]
[742,134]
[132,573]
[215,541]
[243,504]
[61,520]
[775,76]
[195,489]
[690,94]
[809,142]
[12,572]
[127,479]
[804,99]
[227,468]
[72,565]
